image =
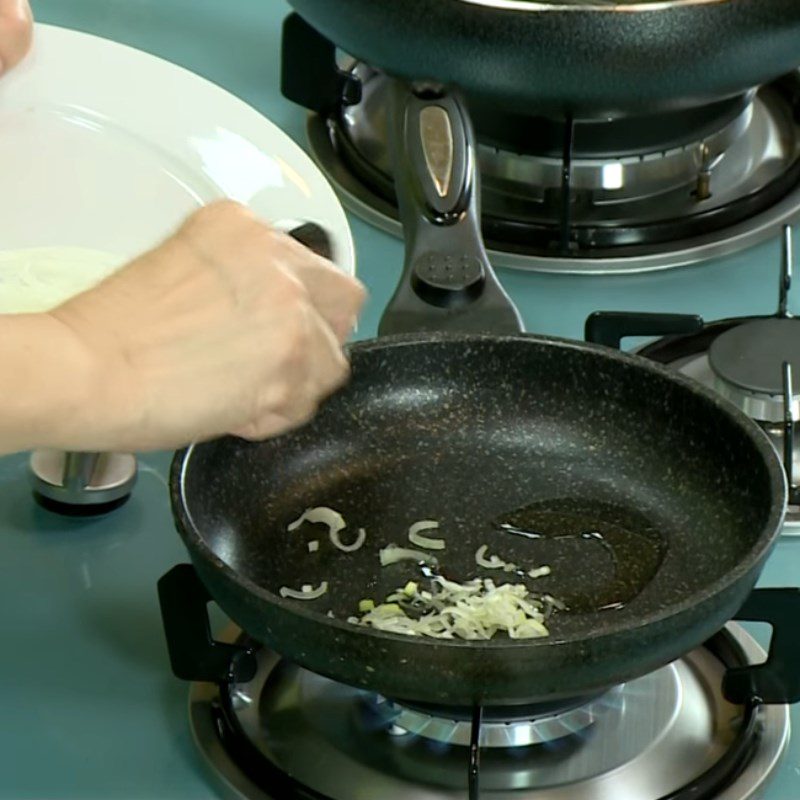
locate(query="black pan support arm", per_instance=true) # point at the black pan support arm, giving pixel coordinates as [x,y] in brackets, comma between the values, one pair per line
[310,75]
[193,652]
[196,656]
[609,328]
[448,283]
[778,679]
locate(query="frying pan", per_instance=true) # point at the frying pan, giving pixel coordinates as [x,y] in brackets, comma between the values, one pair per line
[466,429]
[588,58]
[557,440]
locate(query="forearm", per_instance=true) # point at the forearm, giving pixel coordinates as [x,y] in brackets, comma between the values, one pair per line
[49,384]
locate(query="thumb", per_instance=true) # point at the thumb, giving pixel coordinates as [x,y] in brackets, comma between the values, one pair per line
[16,32]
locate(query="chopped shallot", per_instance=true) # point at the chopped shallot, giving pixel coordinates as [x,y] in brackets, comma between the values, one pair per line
[416,538]
[475,610]
[335,522]
[495,562]
[349,548]
[322,514]
[307,592]
[539,572]
[392,554]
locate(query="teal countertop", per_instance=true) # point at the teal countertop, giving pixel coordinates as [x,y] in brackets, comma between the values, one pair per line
[90,708]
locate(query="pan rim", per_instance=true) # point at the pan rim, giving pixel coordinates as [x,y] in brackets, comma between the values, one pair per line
[196,543]
[595,6]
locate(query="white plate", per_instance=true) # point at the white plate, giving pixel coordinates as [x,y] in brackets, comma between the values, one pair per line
[105,147]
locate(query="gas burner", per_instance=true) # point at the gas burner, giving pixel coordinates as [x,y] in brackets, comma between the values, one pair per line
[645,192]
[754,362]
[291,734]
[746,363]
[500,727]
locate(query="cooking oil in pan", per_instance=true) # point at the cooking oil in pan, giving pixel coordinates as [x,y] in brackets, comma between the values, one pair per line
[602,556]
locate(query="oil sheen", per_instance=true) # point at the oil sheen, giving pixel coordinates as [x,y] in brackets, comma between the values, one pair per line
[602,555]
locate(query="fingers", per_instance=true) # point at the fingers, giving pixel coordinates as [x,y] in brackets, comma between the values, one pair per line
[225,231]
[324,369]
[338,297]
[16,32]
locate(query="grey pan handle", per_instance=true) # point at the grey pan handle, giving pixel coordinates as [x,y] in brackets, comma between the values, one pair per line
[448,283]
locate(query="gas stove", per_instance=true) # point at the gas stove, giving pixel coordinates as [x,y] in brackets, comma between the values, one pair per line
[288,733]
[83,588]
[630,194]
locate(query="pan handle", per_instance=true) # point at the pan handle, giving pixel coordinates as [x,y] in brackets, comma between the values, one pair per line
[776,681]
[448,283]
[193,652]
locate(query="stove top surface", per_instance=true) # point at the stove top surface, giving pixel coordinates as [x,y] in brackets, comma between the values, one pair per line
[83,665]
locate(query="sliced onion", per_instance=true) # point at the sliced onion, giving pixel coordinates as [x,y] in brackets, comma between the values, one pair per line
[349,548]
[392,554]
[494,562]
[320,514]
[416,538]
[475,610]
[308,592]
[313,546]
[539,572]
[335,522]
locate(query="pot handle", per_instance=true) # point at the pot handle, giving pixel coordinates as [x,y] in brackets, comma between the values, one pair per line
[776,681]
[193,652]
[448,283]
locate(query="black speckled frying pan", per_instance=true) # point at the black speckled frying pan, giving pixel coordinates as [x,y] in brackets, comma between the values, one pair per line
[466,429]
[588,58]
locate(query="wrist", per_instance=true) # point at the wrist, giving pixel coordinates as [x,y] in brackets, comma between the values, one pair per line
[98,408]
[57,391]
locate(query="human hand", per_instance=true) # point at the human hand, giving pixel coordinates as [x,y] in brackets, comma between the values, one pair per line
[227,327]
[16,32]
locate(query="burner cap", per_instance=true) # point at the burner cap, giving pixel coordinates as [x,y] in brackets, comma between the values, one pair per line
[747,360]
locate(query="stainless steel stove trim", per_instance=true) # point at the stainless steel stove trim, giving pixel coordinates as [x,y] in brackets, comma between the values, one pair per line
[234,784]
[762,407]
[376,211]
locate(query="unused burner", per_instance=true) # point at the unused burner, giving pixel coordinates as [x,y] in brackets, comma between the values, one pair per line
[747,362]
